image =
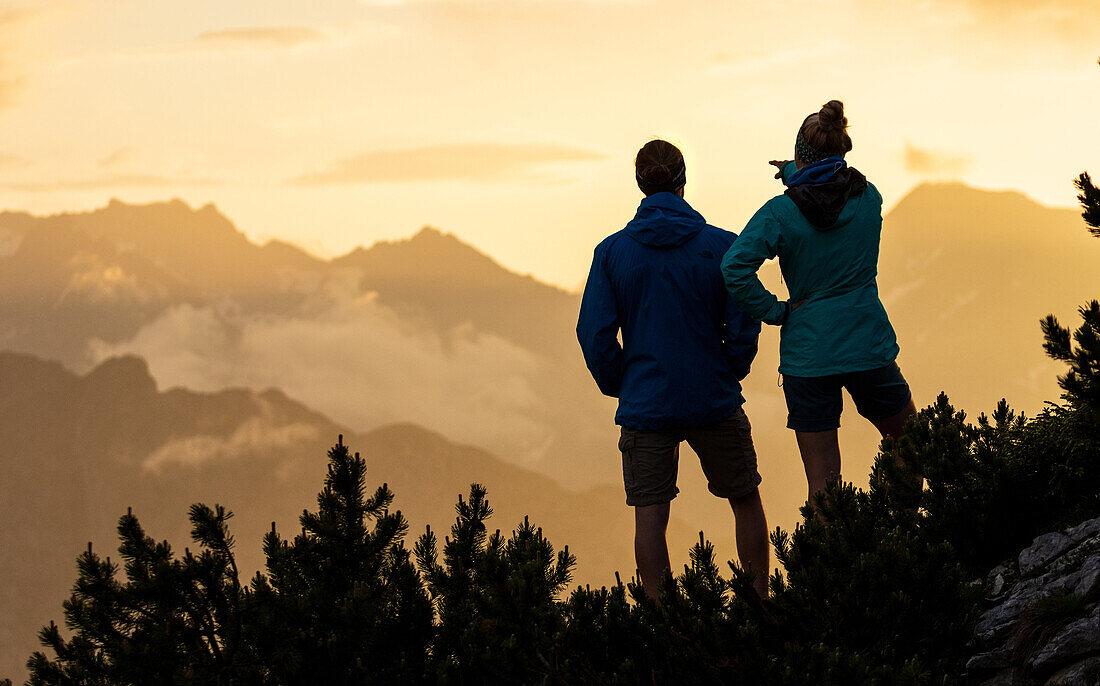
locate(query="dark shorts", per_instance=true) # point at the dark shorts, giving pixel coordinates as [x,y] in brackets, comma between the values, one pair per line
[814,402]
[651,458]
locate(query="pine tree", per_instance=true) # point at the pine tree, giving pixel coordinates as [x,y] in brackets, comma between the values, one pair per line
[1082,382]
[867,598]
[496,599]
[342,602]
[174,620]
[606,640]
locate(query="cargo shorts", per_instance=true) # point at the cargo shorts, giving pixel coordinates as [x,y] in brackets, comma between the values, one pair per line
[725,450]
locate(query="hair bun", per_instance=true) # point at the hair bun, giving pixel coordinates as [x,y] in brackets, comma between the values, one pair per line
[659,166]
[831,117]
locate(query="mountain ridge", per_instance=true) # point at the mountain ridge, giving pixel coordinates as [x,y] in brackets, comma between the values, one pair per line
[11,218]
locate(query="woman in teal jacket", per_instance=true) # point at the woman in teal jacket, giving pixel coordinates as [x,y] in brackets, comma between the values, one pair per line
[835,334]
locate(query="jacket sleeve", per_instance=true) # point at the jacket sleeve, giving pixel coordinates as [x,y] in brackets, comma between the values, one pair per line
[741,339]
[787,171]
[598,328]
[758,242]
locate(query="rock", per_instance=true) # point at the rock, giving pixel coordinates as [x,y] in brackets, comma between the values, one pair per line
[1084,531]
[1083,673]
[1057,562]
[1078,639]
[1005,677]
[1081,582]
[1043,549]
[1085,580]
[994,660]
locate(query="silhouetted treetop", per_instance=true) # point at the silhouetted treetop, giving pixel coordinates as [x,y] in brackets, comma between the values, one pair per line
[1090,202]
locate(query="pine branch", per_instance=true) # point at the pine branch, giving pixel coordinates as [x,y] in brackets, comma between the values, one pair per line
[1090,202]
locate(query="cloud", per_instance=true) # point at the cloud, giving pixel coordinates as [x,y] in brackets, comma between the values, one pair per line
[266,38]
[117,157]
[252,437]
[928,162]
[109,182]
[94,281]
[11,24]
[744,60]
[1070,19]
[469,162]
[1040,8]
[357,362]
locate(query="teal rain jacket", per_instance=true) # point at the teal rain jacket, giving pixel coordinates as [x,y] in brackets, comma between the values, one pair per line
[840,325]
[685,343]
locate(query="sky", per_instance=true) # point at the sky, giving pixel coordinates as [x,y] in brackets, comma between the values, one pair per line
[513,123]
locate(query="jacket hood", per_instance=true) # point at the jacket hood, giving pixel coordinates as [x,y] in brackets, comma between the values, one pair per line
[822,190]
[665,220]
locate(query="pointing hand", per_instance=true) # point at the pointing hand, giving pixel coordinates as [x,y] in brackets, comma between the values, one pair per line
[779,164]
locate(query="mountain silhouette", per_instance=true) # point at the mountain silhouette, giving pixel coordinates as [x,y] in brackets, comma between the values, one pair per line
[436,275]
[103,273]
[966,276]
[83,286]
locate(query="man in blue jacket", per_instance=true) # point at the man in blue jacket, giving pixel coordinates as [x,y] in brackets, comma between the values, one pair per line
[685,348]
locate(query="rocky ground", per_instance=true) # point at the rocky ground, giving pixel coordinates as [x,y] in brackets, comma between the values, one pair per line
[1042,625]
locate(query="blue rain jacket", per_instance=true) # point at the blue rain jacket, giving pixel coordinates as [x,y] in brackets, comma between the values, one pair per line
[841,325]
[686,344]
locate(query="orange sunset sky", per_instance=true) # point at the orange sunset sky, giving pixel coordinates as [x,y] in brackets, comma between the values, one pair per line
[513,123]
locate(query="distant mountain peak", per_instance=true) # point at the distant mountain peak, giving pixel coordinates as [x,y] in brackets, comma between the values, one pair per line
[428,250]
[428,232]
[128,373]
[429,237]
[944,194]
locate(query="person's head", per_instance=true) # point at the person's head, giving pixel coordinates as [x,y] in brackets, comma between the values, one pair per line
[659,167]
[823,134]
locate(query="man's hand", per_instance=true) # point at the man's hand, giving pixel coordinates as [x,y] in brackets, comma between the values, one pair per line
[779,164]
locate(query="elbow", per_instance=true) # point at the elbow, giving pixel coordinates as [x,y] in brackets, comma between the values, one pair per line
[736,281]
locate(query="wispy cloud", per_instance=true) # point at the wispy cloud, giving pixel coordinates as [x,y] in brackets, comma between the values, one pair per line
[262,432]
[11,22]
[118,157]
[758,60]
[11,161]
[367,366]
[264,38]
[469,162]
[1070,19]
[930,162]
[1048,8]
[108,182]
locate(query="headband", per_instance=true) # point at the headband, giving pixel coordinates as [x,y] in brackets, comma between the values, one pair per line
[806,152]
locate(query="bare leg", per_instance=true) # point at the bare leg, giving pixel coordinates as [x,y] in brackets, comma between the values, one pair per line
[892,427]
[821,458]
[650,546]
[751,528]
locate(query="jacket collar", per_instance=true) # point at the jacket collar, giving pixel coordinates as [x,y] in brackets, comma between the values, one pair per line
[665,220]
[818,172]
